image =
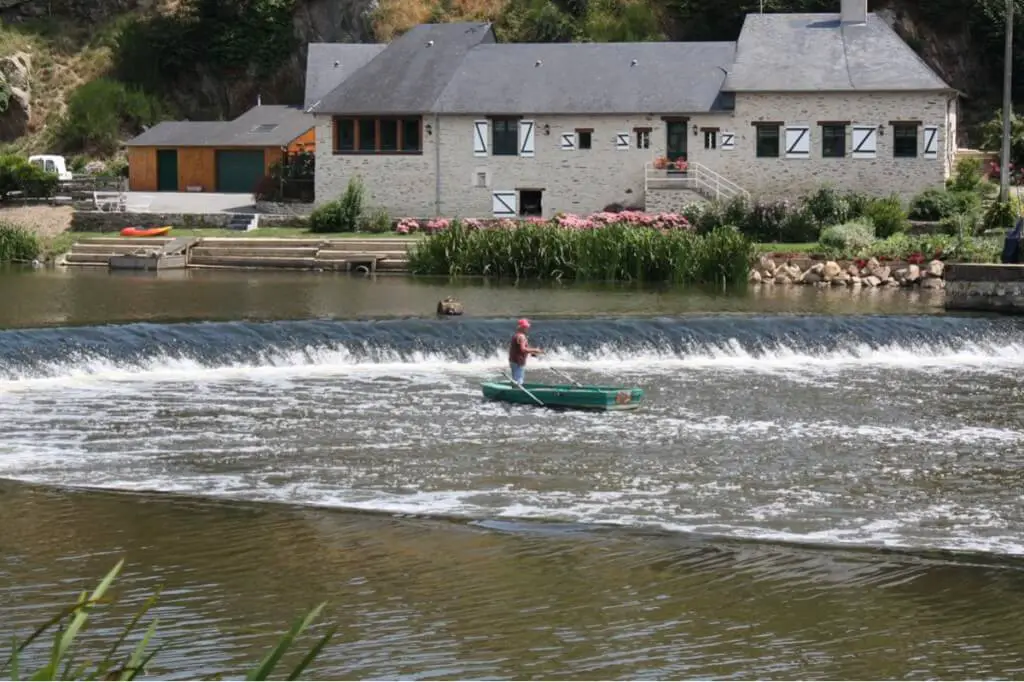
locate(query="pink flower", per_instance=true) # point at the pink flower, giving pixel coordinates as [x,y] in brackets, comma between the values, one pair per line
[436,225]
[407,225]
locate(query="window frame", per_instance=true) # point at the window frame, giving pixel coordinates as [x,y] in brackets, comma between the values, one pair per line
[900,127]
[580,132]
[761,127]
[833,132]
[710,138]
[510,136]
[359,126]
[642,136]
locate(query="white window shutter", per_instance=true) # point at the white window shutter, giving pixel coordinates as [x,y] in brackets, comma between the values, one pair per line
[798,142]
[526,138]
[622,140]
[931,142]
[504,204]
[569,141]
[728,142]
[865,142]
[481,134]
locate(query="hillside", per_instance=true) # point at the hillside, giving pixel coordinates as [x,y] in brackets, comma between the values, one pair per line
[77,75]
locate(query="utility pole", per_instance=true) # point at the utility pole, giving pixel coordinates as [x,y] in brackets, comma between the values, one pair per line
[1004,175]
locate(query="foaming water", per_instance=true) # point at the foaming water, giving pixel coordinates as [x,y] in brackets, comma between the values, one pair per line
[870,430]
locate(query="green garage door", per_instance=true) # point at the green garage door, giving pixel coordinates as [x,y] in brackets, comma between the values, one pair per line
[239,171]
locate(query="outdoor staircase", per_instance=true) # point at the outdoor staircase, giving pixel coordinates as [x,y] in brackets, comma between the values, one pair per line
[697,183]
[243,222]
[98,250]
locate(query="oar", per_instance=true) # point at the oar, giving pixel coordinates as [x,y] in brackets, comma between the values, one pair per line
[523,388]
[566,377]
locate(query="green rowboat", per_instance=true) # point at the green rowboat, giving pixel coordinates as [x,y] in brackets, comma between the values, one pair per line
[601,398]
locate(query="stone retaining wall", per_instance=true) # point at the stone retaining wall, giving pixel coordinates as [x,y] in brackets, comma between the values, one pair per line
[285,209]
[102,221]
[987,287]
[872,273]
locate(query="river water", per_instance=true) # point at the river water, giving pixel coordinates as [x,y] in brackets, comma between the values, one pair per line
[821,484]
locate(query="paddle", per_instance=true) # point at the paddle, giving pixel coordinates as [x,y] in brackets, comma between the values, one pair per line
[566,377]
[535,398]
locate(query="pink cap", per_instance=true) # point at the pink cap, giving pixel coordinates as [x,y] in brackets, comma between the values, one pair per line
[524,323]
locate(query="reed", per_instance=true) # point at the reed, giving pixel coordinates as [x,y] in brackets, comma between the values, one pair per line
[64,661]
[614,252]
[17,244]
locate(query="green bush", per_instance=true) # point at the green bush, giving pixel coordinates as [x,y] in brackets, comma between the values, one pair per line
[800,227]
[17,244]
[377,221]
[827,206]
[851,238]
[18,175]
[936,204]
[967,176]
[615,252]
[1001,215]
[340,215]
[101,112]
[887,215]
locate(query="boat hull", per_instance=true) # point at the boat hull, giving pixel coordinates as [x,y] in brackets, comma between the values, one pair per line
[145,231]
[599,398]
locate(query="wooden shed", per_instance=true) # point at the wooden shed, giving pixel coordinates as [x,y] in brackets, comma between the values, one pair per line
[217,156]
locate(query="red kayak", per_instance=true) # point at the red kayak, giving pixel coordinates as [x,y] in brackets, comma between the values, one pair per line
[145,231]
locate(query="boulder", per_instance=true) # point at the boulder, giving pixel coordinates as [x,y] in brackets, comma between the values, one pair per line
[892,282]
[449,306]
[792,270]
[767,266]
[755,276]
[782,277]
[936,268]
[856,281]
[853,271]
[811,277]
[841,280]
[913,273]
[882,272]
[831,270]
[16,105]
[872,281]
[933,283]
[872,264]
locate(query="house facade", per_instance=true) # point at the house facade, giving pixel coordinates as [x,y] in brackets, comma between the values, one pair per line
[445,121]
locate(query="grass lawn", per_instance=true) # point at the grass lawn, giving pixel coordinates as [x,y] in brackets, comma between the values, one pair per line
[807,247]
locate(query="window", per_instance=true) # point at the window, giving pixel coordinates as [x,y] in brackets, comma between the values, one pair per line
[505,137]
[481,178]
[833,140]
[530,202]
[377,136]
[904,140]
[643,138]
[710,139]
[584,136]
[768,140]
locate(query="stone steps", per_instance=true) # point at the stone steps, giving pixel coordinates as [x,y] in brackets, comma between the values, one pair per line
[202,251]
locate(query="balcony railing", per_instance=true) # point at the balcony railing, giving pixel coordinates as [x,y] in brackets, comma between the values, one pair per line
[697,177]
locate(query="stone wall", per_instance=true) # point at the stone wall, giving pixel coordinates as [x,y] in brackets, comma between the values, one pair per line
[670,200]
[276,208]
[102,221]
[985,288]
[872,273]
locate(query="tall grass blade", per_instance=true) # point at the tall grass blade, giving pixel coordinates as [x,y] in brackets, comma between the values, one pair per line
[313,653]
[108,662]
[262,672]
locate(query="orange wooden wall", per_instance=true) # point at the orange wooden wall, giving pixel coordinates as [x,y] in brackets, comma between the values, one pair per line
[306,142]
[197,166]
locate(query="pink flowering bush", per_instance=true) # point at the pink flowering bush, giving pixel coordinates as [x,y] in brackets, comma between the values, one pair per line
[568,221]
[436,225]
[407,226]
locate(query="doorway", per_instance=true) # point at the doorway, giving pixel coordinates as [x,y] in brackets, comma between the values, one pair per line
[530,203]
[167,170]
[675,142]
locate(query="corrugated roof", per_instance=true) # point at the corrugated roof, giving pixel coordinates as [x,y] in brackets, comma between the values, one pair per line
[272,125]
[408,76]
[328,64]
[587,78]
[812,52]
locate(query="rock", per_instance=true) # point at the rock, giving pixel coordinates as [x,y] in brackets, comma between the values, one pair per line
[892,282]
[16,108]
[817,268]
[933,283]
[755,276]
[882,272]
[792,270]
[856,281]
[900,274]
[831,270]
[95,167]
[872,281]
[811,277]
[872,264]
[782,277]
[936,268]
[841,280]
[449,306]
[913,273]
[853,271]
[767,266]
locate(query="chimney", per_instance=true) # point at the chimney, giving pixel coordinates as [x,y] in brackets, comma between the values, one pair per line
[853,11]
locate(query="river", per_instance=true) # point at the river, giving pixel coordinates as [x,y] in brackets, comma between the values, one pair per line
[821,484]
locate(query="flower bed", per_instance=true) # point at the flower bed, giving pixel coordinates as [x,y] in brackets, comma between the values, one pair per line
[665,221]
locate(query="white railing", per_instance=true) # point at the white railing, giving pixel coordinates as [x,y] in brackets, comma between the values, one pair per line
[698,178]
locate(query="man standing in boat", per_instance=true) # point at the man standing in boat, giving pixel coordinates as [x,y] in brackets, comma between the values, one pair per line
[519,350]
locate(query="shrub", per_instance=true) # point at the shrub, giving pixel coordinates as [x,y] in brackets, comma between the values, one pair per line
[18,175]
[766,220]
[887,215]
[1001,214]
[100,112]
[17,244]
[614,252]
[967,176]
[959,224]
[800,227]
[851,238]
[377,222]
[936,204]
[340,215]
[827,206]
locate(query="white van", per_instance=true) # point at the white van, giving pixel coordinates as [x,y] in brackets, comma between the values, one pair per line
[52,163]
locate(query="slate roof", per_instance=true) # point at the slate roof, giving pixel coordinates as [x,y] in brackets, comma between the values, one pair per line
[804,52]
[408,76]
[269,125]
[588,78]
[328,64]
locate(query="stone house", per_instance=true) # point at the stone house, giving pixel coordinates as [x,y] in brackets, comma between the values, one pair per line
[446,121]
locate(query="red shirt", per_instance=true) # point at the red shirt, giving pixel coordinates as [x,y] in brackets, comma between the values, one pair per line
[517,349]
